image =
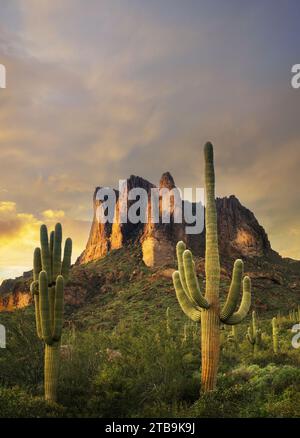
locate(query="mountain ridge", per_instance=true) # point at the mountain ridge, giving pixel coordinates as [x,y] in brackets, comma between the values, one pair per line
[239,231]
[240,236]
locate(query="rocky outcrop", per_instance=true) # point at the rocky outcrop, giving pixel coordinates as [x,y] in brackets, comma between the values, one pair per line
[240,234]
[15,300]
[158,239]
[14,293]
[108,236]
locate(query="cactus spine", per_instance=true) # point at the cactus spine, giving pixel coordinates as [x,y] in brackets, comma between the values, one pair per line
[275,335]
[254,333]
[50,275]
[207,307]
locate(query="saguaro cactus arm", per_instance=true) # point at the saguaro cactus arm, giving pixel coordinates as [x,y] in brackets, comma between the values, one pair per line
[56,255]
[66,263]
[45,308]
[186,284]
[192,282]
[58,308]
[234,290]
[243,310]
[180,248]
[45,252]
[193,312]
[34,288]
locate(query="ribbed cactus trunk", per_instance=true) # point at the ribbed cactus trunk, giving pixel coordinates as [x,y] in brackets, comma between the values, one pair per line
[210,320]
[51,370]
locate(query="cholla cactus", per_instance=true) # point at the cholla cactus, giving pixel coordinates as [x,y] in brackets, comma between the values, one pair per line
[207,307]
[275,335]
[254,334]
[50,275]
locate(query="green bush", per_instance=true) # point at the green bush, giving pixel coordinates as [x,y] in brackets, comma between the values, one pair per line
[21,362]
[152,369]
[16,403]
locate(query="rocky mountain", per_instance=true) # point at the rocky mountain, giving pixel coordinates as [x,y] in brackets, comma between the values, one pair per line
[151,249]
[240,234]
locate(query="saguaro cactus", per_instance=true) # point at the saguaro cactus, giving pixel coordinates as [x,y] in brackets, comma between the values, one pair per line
[50,275]
[206,308]
[275,335]
[232,336]
[254,333]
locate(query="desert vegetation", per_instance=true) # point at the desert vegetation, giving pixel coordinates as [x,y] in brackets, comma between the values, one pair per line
[139,368]
[129,350]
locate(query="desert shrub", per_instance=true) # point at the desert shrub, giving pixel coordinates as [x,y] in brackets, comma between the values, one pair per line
[285,406]
[152,370]
[16,403]
[252,391]
[21,362]
[273,379]
[82,356]
[225,401]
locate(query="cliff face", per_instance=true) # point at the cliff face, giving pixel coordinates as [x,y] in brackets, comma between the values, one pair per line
[240,234]
[106,237]
[14,294]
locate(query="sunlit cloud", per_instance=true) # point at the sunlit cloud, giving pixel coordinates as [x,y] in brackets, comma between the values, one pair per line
[19,235]
[7,207]
[53,214]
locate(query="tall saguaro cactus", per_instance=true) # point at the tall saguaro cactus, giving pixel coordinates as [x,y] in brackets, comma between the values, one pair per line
[206,308]
[254,333]
[50,274]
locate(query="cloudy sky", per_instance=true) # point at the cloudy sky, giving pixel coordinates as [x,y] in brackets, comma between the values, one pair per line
[101,89]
